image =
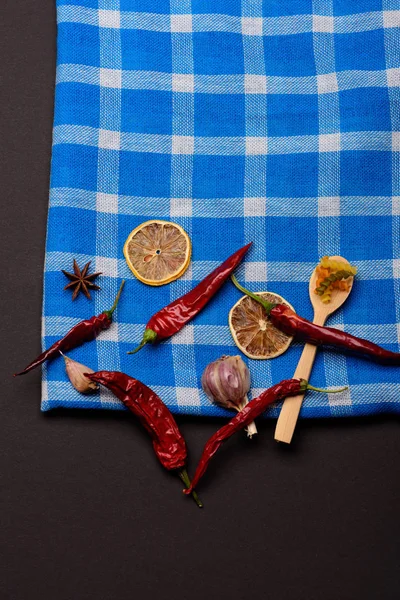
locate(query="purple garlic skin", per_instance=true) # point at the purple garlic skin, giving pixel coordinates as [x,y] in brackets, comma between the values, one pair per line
[226,382]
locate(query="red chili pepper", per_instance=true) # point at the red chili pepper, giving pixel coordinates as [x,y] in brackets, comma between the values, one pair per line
[285,319]
[287,387]
[168,442]
[82,332]
[170,319]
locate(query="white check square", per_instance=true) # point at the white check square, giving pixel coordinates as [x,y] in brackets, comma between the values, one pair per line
[110,18]
[181,24]
[184,336]
[323,24]
[254,207]
[110,334]
[252,26]
[327,83]
[107,266]
[109,140]
[396,271]
[396,141]
[186,396]
[182,144]
[391,18]
[255,84]
[329,206]
[256,145]
[182,82]
[111,78]
[329,142]
[255,271]
[180,207]
[393,77]
[396,205]
[107,203]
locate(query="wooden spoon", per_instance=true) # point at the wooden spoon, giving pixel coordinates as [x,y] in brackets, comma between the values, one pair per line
[291,407]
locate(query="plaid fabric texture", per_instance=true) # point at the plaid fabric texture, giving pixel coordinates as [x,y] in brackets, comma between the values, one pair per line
[265,120]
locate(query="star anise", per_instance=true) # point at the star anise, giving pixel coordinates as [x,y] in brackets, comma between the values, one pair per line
[81,281]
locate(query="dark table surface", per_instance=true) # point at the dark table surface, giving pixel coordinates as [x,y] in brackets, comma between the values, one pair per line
[86,511]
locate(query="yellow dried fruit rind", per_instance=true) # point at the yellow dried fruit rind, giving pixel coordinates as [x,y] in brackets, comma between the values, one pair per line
[158,252]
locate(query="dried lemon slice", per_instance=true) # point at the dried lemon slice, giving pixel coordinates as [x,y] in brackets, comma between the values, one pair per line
[252,330]
[158,252]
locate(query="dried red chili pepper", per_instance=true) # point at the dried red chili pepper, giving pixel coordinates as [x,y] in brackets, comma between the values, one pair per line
[285,319]
[82,332]
[287,387]
[170,319]
[168,442]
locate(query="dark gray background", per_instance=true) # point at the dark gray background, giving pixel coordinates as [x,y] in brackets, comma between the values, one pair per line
[87,512]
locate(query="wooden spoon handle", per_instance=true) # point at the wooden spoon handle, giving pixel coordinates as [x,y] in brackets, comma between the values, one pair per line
[290,410]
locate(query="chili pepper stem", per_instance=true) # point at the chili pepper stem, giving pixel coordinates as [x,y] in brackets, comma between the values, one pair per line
[149,337]
[304,385]
[110,312]
[185,478]
[268,306]
[328,391]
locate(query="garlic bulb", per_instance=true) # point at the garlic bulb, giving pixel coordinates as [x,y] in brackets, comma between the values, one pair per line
[226,382]
[75,372]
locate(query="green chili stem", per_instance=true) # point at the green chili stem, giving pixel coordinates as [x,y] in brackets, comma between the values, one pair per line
[328,391]
[149,337]
[110,312]
[304,385]
[142,343]
[185,478]
[268,306]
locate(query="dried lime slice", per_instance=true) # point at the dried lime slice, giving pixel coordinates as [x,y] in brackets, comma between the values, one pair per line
[252,330]
[158,252]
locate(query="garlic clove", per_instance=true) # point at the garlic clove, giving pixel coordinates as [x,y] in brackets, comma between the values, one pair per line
[75,372]
[226,382]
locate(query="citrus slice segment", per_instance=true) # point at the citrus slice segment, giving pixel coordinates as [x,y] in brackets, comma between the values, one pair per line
[252,330]
[158,252]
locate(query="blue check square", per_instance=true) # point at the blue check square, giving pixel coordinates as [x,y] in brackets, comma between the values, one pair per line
[216,7]
[218,176]
[146,50]
[78,104]
[380,245]
[343,7]
[289,55]
[360,51]
[74,166]
[292,114]
[292,175]
[78,44]
[145,6]
[218,53]
[146,175]
[219,115]
[146,111]
[275,8]
[365,173]
[365,109]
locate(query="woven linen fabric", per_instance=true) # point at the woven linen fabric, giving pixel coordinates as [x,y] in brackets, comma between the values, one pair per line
[272,121]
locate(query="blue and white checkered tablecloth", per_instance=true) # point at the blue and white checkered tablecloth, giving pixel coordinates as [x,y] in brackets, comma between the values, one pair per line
[266,120]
